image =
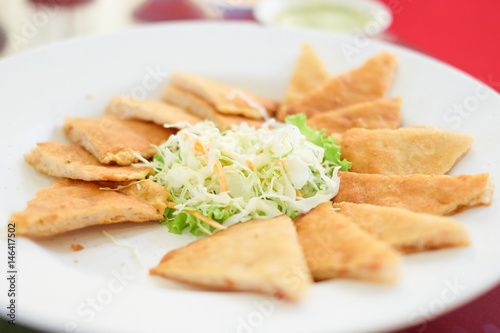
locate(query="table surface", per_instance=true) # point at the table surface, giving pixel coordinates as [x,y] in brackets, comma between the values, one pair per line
[462,33]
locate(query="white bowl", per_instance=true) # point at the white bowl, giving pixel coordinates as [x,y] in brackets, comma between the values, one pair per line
[378,16]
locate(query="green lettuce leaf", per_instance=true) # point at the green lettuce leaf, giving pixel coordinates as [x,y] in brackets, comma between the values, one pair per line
[319,138]
[177,223]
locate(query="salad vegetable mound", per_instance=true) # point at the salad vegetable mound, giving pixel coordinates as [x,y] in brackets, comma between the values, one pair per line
[244,173]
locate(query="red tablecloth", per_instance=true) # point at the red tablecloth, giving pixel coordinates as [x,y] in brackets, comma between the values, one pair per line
[465,34]
[481,316]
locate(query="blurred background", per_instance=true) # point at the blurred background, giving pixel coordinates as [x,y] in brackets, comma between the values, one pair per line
[464,34]
[461,33]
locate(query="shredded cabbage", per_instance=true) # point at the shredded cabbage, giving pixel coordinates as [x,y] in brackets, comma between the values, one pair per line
[241,174]
[319,138]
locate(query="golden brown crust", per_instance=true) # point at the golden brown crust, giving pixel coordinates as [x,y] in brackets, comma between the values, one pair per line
[114,140]
[336,247]
[203,110]
[222,97]
[72,161]
[74,204]
[368,82]
[405,151]
[148,110]
[309,74]
[149,192]
[441,195]
[261,255]
[227,121]
[404,230]
[381,113]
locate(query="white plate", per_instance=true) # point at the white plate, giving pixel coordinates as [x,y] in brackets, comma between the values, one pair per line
[55,293]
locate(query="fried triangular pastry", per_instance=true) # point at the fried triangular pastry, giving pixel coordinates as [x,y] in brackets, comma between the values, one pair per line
[380,113]
[74,204]
[404,230]
[440,195]
[405,151]
[148,110]
[72,161]
[148,192]
[261,256]
[204,110]
[114,140]
[224,98]
[309,74]
[368,82]
[335,247]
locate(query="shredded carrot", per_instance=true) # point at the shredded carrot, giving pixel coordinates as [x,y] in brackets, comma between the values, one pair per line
[283,162]
[297,193]
[249,164]
[170,204]
[198,146]
[222,176]
[205,219]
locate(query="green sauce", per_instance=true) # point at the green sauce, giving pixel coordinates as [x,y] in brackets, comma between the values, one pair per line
[324,16]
